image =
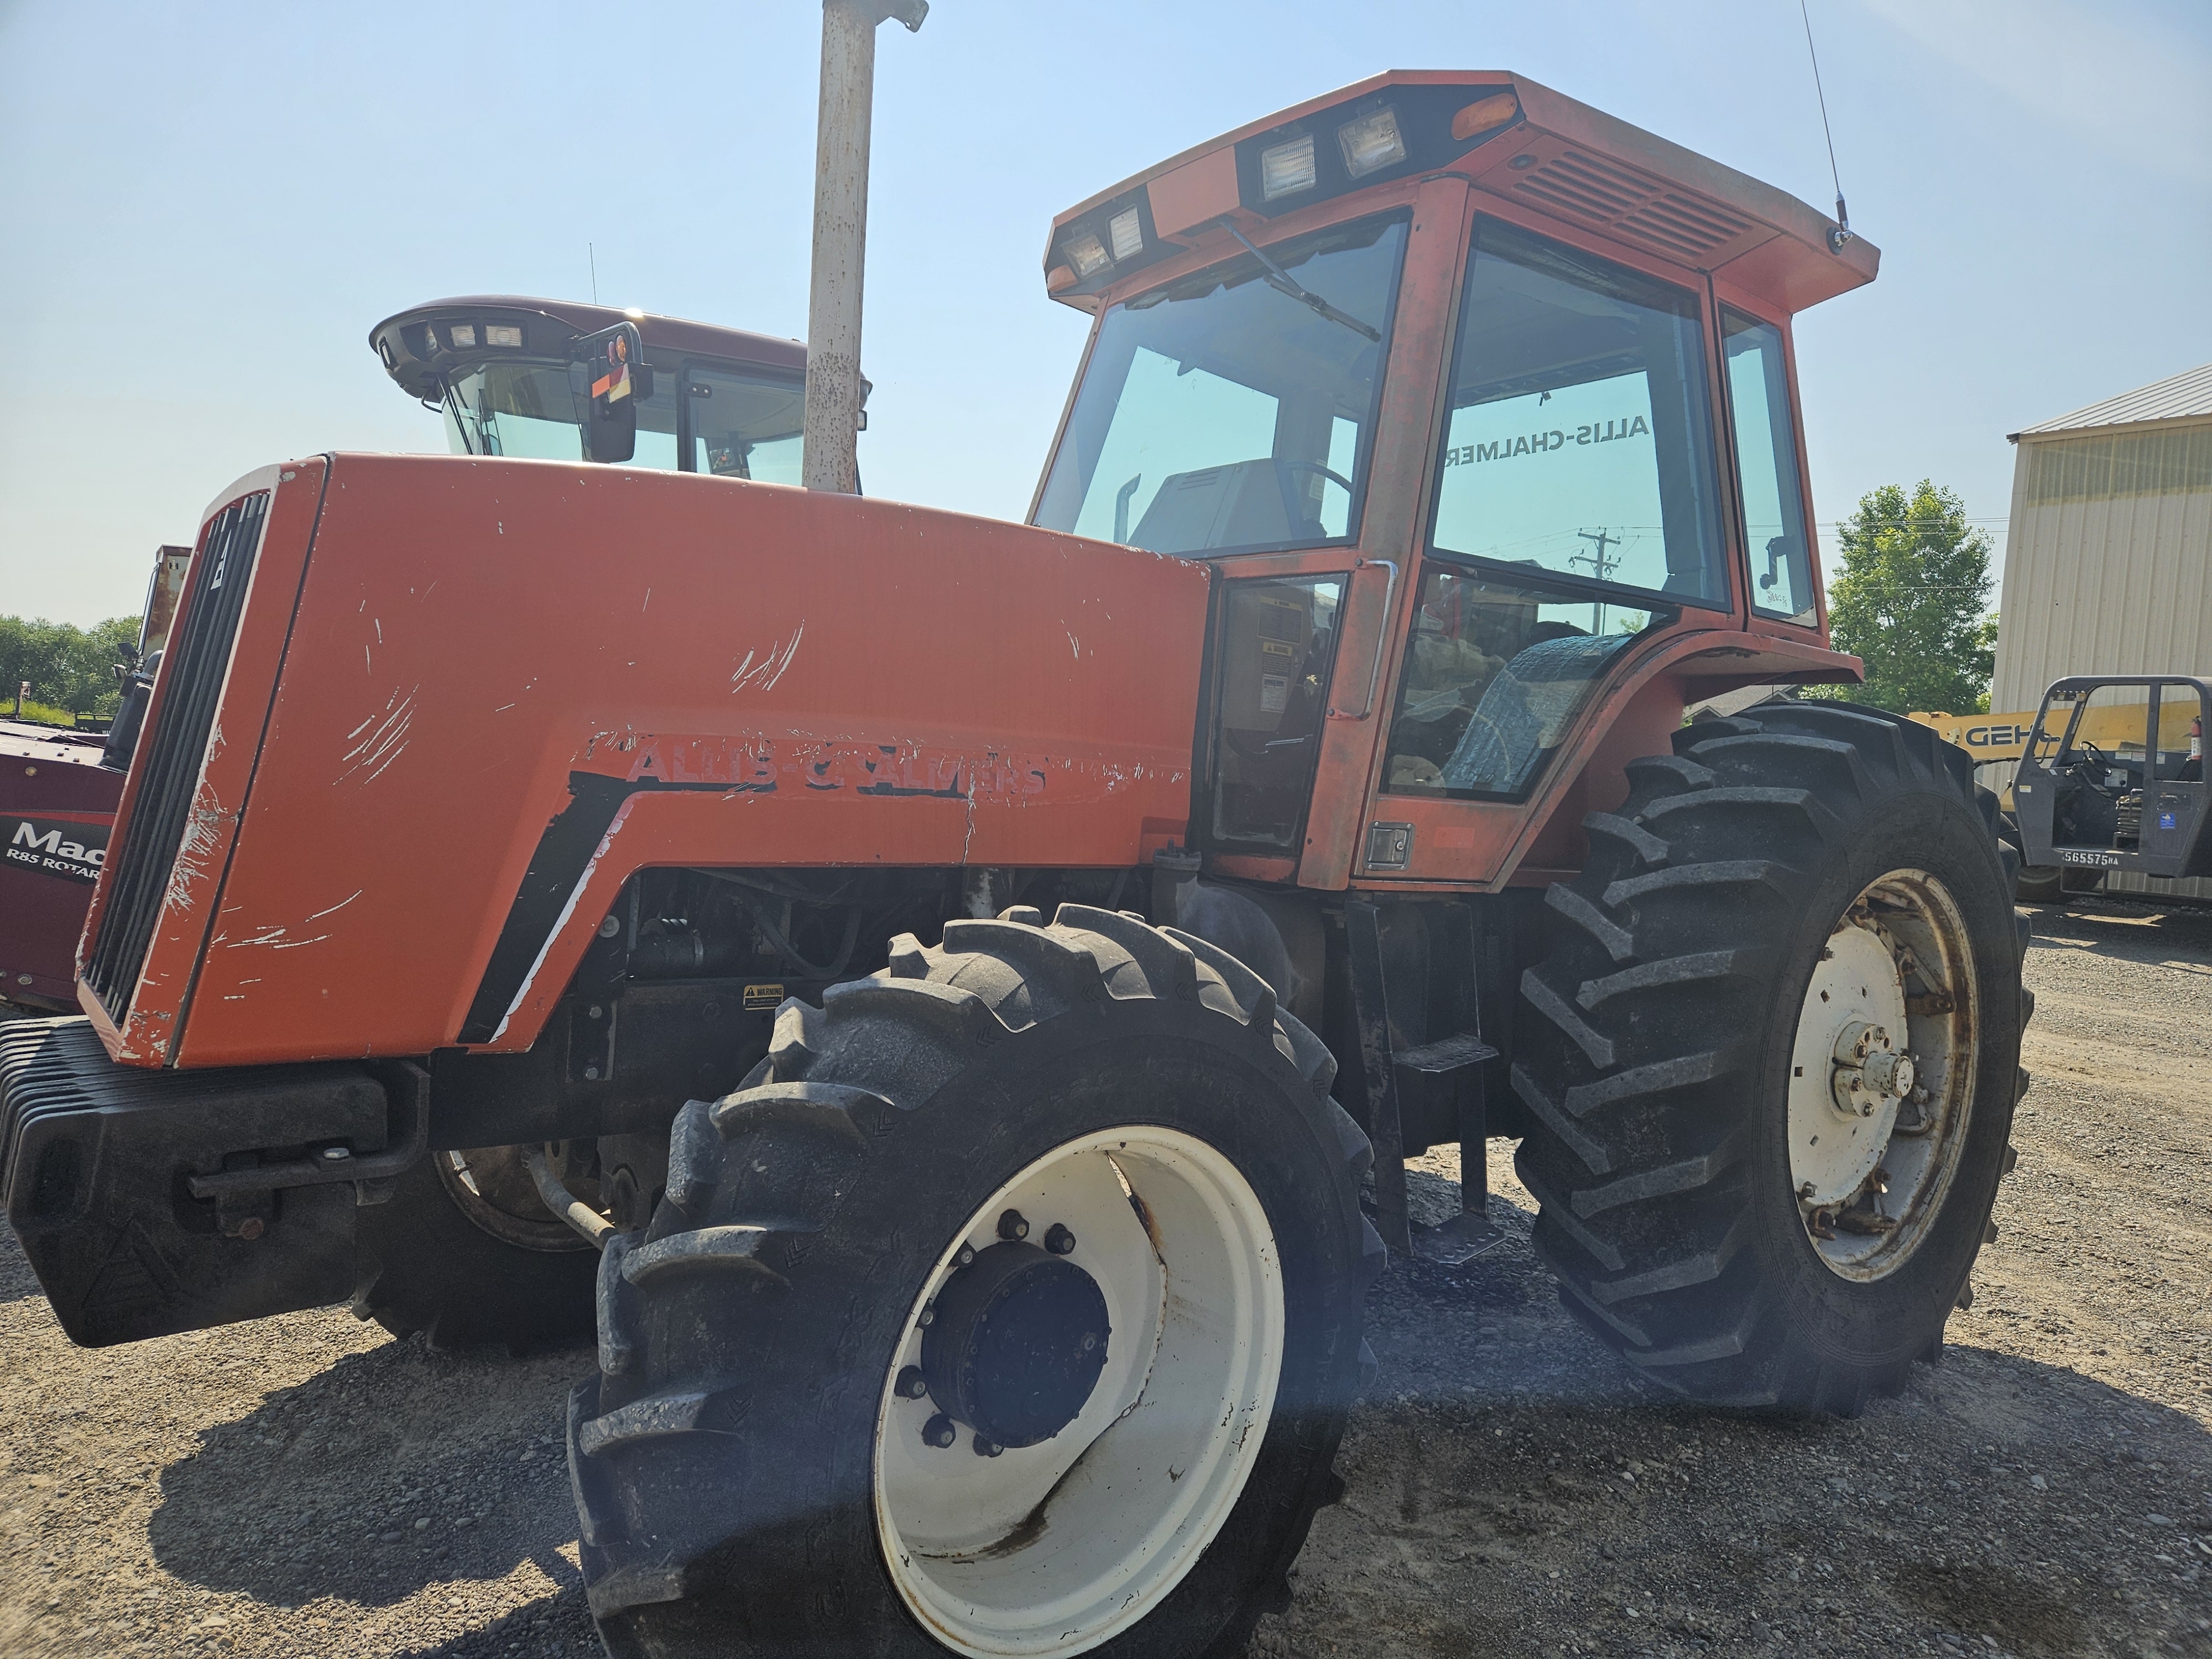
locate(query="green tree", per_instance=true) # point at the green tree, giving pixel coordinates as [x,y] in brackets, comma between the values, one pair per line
[68,667]
[1911,599]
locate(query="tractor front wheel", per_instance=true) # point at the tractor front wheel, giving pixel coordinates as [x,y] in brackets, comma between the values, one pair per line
[1772,1055]
[1013,1308]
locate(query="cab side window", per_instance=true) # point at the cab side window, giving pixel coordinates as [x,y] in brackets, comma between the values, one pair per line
[1766,462]
[744,426]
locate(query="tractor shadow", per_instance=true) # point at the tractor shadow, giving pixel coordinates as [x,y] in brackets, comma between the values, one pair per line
[17,1281]
[561,1623]
[391,1471]
[1511,1486]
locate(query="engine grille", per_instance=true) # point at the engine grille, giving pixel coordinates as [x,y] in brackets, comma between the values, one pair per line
[194,668]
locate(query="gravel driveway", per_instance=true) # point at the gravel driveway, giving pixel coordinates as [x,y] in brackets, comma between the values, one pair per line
[306,1485]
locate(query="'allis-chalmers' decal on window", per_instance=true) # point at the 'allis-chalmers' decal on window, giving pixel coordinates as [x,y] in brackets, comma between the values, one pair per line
[54,847]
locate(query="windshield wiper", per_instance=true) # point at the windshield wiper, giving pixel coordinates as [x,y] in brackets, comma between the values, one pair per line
[1282,282]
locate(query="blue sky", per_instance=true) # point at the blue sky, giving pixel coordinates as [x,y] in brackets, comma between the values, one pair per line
[207,208]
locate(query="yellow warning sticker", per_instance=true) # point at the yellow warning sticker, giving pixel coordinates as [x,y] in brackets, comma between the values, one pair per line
[763,998]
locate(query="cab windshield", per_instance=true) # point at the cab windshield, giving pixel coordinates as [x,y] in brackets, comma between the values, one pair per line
[703,418]
[1234,409]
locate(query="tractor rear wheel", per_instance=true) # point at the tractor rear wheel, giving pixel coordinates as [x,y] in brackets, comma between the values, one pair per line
[1772,1055]
[1013,1307]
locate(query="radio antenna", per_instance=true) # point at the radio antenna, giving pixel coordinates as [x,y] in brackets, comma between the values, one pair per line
[592,254]
[1842,234]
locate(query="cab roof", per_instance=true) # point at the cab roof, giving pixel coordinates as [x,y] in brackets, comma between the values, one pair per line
[1516,140]
[416,345]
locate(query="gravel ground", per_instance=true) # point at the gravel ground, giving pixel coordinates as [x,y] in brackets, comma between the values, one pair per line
[306,1485]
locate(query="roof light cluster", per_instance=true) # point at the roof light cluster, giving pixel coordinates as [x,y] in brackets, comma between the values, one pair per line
[462,336]
[1368,141]
[1092,249]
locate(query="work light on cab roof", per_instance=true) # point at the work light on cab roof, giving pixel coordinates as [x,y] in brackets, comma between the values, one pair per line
[1510,134]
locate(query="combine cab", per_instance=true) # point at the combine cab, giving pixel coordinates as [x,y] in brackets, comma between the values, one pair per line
[936,987]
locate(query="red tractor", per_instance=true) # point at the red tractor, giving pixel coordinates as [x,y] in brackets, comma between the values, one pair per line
[939,988]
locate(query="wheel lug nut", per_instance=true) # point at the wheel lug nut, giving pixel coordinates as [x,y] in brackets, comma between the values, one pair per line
[910,1385]
[965,1256]
[1011,1225]
[939,1431]
[1059,1240]
[986,1448]
[926,1317]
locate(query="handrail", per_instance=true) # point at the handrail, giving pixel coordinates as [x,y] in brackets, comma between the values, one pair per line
[1382,638]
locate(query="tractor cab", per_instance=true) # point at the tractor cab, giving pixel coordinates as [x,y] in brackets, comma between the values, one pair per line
[549,380]
[2114,776]
[1481,405]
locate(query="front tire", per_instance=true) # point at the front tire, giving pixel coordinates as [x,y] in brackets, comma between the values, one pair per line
[1772,1055]
[774,1458]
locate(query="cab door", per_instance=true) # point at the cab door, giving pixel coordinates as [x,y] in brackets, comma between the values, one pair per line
[1576,522]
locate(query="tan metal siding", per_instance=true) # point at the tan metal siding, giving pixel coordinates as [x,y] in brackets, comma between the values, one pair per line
[2108,565]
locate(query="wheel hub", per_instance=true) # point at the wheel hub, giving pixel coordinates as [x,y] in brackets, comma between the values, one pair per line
[1015,1345]
[1868,1070]
[1881,1070]
[1843,1093]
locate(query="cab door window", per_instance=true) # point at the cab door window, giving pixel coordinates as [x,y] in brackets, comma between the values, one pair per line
[1271,655]
[1766,466]
[1579,442]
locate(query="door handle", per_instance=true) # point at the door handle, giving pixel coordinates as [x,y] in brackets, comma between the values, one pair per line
[1381,640]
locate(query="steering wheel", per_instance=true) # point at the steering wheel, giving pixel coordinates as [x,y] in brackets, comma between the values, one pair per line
[1336,479]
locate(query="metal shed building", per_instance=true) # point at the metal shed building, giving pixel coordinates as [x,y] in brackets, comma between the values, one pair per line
[2108,567]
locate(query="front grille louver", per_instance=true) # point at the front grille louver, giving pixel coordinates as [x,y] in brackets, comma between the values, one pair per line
[174,751]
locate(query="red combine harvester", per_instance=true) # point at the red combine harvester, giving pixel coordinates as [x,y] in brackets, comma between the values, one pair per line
[58,791]
[502,371]
[935,990]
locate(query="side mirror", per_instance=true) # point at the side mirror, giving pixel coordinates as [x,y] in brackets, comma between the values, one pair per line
[616,378]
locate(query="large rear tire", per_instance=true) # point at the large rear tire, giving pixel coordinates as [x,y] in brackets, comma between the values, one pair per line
[774,1459]
[1772,1055]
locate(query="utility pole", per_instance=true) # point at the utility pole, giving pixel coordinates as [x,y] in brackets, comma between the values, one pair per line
[829,460]
[1601,567]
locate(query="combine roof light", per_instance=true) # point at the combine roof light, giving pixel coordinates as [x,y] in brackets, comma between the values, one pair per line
[1371,142]
[463,335]
[1086,254]
[1485,113]
[1287,169]
[1128,236]
[503,334]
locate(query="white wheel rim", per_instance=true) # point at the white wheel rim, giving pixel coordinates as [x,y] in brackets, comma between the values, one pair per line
[1053,1548]
[1872,1146]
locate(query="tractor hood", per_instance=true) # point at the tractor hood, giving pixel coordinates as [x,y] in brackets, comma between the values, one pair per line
[428,712]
